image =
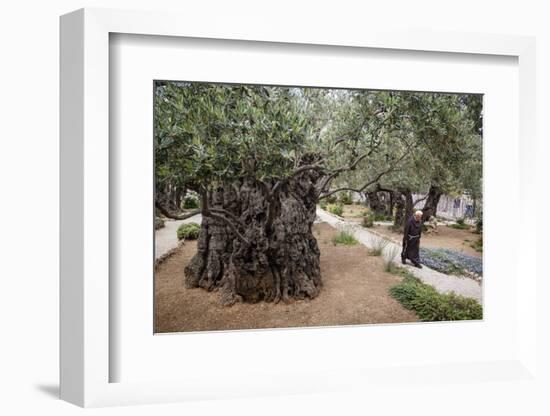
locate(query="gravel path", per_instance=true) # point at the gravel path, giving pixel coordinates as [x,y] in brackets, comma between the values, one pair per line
[443,283]
[166,238]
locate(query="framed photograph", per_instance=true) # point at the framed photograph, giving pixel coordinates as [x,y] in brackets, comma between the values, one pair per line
[272,212]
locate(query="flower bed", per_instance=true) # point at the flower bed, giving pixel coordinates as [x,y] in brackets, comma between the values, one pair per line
[451,262]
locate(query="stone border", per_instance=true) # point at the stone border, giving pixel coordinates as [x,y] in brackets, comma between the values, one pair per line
[169,253]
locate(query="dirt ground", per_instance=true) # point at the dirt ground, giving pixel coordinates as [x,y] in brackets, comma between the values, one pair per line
[446,237]
[355,291]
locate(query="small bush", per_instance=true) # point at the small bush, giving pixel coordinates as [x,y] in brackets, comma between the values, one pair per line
[378,246]
[159,223]
[331,199]
[368,220]
[345,198]
[344,238]
[190,202]
[478,244]
[336,209]
[431,305]
[479,225]
[389,264]
[323,204]
[460,224]
[380,217]
[189,231]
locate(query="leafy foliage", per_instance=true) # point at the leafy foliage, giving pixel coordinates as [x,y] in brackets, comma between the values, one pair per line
[450,261]
[159,223]
[336,209]
[431,305]
[207,134]
[389,261]
[190,202]
[368,220]
[188,231]
[460,224]
[379,244]
[382,217]
[344,238]
[479,224]
[477,245]
[345,198]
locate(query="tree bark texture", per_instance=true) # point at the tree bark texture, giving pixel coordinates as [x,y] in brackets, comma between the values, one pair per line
[256,245]
[375,204]
[403,208]
[430,206]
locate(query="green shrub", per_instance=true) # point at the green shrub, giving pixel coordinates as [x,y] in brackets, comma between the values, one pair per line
[478,244]
[381,217]
[431,305]
[331,199]
[336,209]
[189,231]
[190,202]
[479,225]
[359,214]
[345,198]
[344,238]
[323,204]
[368,220]
[389,261]
[460,224]
[159,223]
[378,246]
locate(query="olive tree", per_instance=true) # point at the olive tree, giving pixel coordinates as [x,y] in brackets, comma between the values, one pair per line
[261,158]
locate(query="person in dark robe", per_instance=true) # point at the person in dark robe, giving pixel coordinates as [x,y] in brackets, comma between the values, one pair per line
[411,240]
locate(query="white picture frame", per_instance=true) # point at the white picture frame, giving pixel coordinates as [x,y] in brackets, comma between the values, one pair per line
[85,220]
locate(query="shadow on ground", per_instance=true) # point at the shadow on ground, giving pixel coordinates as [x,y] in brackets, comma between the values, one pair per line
[51,390]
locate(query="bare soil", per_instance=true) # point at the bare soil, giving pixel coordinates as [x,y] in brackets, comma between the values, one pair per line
[355,291]
[446,237]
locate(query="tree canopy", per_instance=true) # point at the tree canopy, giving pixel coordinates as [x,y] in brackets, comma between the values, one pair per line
[208,133]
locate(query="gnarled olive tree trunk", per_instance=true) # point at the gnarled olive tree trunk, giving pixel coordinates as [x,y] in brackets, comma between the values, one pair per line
[376,205]
[257,243]
[403,208]
[432,200]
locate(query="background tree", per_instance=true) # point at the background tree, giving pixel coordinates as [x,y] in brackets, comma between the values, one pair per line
[445,157]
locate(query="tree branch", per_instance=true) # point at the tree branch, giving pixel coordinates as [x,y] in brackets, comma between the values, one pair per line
[354,164]
[392,167]
[279,184]
[171,215]
[207,212]
[222,211]
[420,200]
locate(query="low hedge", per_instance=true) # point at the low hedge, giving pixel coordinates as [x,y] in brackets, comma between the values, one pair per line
[189,231]
[430,305]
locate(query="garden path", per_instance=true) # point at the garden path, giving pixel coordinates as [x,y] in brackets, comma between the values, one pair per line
[443,283]
[166,238]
